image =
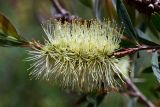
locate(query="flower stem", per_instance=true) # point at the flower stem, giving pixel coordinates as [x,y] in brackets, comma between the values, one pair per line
[59,8]
[127,51]
[136,93]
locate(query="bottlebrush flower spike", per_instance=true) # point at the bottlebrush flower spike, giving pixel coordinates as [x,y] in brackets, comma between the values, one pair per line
[77,55]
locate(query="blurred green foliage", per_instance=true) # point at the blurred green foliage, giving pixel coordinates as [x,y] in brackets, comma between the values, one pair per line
[18,90]
[16,87]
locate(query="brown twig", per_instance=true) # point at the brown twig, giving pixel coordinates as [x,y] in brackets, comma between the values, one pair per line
[136,93]
[34,45]
[63,13]
[128,51]
[59,8]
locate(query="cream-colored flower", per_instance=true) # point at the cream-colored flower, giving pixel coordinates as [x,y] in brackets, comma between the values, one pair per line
[78,55]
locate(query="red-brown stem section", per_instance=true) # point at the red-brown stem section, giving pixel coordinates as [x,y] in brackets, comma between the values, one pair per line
[63,14]
[136,93]
[127,51]
[34,45]
[59,8]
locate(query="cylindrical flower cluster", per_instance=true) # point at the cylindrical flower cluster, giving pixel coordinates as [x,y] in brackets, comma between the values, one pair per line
[77,55]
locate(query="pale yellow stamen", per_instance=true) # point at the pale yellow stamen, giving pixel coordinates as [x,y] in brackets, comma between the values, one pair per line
[77,54]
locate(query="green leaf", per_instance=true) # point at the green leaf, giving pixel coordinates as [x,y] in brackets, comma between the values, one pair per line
[95,102]
[125,19]
[155,65]
[97,9]
[148,70]
[87,3]
[153,29]
[144,38]
[132,102]
[8,34]
[115,99]
[142,62]
[155,19]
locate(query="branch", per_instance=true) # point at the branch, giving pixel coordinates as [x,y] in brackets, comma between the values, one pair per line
[63,13]
[136,93]
[59,8]
[128,51]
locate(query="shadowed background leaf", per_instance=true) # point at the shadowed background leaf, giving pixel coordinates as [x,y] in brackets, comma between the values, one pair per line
[155,65]
[155,20]
[126,21]
[8,34]
[16,88]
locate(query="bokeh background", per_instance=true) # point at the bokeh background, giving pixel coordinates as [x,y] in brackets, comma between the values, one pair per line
[17,89]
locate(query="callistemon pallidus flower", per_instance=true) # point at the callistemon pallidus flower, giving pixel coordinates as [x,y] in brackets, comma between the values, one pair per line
[78,55]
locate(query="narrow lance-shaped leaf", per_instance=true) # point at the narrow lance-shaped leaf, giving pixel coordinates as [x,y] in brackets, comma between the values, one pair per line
[155,65]
[97,9]
[125,19]
[156,21]
[144,38]
[8,33]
